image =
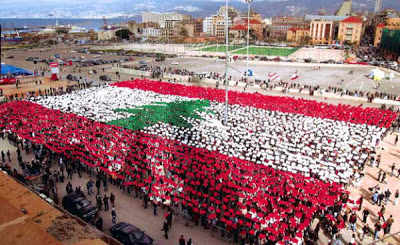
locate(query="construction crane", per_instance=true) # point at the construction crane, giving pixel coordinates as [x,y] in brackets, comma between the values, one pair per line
[16,31]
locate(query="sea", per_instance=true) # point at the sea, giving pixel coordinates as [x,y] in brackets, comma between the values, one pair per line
[35,24]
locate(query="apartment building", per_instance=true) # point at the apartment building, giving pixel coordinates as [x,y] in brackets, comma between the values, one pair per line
[350,30]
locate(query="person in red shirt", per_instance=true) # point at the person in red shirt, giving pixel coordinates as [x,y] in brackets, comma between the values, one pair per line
[182,241]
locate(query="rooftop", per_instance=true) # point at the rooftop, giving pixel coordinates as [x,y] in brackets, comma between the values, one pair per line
[239,28]
[352,19]
[40,223]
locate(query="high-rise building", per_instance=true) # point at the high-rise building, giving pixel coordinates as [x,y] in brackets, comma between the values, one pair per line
[161,18]
[378,6]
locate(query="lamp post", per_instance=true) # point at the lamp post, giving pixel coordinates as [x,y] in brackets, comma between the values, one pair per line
[248,36]
[226,60]
[0,50]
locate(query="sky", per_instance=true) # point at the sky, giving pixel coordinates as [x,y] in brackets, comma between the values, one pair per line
[128,8]
[95,8]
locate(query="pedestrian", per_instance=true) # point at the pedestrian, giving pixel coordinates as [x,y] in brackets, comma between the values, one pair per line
[114,215]
[155,206]
[387,196]
[2,156]
[396,198]
[69,188]
[366,230]
[105,186]
[360,202]
[335,230]
[398,173]
[378,227]
[352,222]
[383,177]
[380,175]
[105,200]
[375,197]
[165,229]
[365,214]
[392,168]
[189,242]
[182,240]
[112,199]
[99,223]
[381,213]
[381,196]
[88,187]
[389,223]
[353,240]
[99,202]
[169,219]
[98,185]
[396,140]
[8,155]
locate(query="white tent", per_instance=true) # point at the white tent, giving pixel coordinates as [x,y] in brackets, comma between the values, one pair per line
[376,74]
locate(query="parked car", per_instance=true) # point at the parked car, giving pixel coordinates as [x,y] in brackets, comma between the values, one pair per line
[105,78]
[130,235]
[77,204]
[175,63]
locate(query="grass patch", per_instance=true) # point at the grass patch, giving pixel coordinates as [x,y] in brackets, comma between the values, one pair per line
[267,51]
[221,48]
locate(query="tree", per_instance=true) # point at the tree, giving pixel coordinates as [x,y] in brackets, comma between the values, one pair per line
[183,32]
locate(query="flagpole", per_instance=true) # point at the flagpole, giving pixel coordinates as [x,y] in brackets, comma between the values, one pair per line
[226,61]
[248,37]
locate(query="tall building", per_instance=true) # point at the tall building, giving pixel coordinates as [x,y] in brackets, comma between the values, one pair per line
[350,30]
[214,25]
[378,6]
[160,18]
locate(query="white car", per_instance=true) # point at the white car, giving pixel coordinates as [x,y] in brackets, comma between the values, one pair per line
[174,63]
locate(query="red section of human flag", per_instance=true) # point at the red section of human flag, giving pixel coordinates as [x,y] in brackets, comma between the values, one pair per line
[214,184]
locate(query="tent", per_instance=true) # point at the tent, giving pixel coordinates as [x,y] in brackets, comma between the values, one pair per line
[13,70]
[376,74]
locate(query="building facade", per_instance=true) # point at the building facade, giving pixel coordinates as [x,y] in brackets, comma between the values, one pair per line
[321,31]
[298,35]
[390,44]
[160,18]
[280,25]
[350,30]
[391,24]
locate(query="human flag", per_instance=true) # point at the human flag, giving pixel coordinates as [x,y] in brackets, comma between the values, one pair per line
[170,140]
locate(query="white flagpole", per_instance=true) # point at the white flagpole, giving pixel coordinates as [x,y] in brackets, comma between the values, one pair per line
[226,62]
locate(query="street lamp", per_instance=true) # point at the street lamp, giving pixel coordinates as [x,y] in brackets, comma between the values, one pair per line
[248,35]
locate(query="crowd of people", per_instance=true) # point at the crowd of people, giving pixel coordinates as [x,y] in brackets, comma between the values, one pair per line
[286,141]
[253,202]
[53,91]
